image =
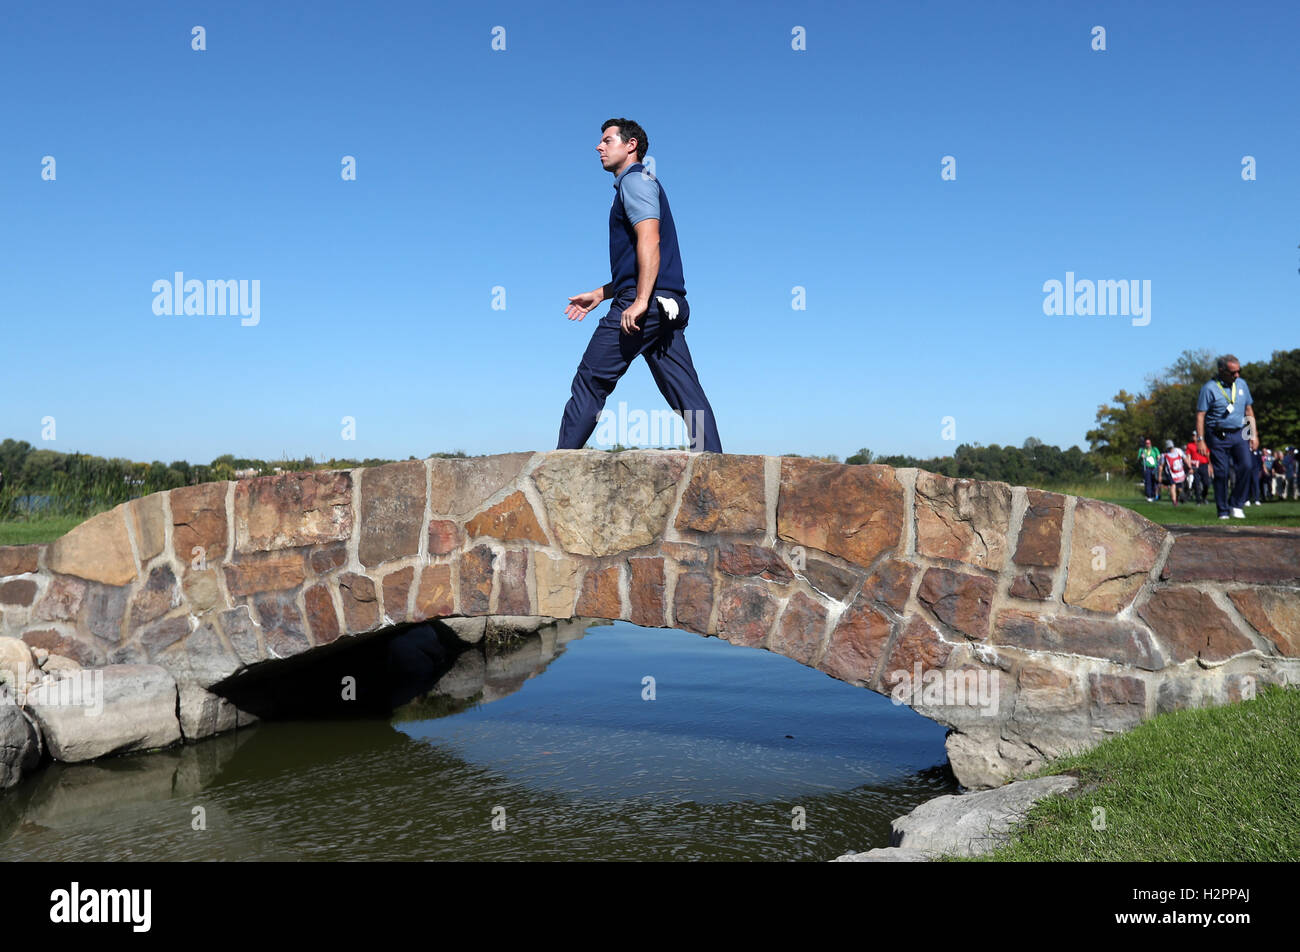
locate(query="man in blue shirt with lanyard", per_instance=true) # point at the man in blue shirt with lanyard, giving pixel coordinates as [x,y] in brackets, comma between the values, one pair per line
[1225,429]
[648,313]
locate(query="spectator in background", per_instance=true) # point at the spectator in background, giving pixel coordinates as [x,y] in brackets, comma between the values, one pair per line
[1199,470]
[1149,457]
[1223,408]
[1266,474]
[1255,482]
[1289,471]
[1173,469]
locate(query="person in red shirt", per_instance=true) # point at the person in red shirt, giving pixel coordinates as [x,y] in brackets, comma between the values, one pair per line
[1199,464]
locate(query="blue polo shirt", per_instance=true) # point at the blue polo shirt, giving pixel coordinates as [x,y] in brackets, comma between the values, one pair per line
[637,197]
[1213,401]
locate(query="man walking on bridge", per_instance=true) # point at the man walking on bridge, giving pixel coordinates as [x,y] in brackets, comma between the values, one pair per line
[648,313]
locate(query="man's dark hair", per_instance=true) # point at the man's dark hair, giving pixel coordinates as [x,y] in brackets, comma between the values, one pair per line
[1222,362]
[629,129]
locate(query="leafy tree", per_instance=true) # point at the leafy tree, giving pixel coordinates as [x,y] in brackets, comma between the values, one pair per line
[13,453]
[1275,386]
[1173,395]
[1192,367]
[1120,429]
[40,467]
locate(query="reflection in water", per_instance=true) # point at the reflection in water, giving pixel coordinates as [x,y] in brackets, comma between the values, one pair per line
[388,669]
[583,767]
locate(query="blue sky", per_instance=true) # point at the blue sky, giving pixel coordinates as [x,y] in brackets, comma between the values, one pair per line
[477,168]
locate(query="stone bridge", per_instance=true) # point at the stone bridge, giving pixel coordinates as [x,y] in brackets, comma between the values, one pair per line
[1037,623]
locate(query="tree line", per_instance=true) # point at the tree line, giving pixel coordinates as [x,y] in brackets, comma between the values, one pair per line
[52,483]
[1032,463]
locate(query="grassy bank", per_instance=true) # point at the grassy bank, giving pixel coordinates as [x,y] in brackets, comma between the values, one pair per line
[1217,784]
[1128,493]
[1270,514]
[37,530]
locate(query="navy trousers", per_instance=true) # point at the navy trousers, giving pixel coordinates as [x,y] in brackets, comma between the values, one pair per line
[1149,481]
[1231,451]
[662,342]
[1202,481]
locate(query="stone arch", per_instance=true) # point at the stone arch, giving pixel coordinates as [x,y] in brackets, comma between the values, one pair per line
[1080,617]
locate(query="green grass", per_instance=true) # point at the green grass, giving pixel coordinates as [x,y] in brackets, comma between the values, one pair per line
[1270,514]
[1128,493]
[37,530]
[1210,785]
[1115,490]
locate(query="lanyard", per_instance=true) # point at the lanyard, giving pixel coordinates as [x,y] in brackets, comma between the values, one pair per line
[1231,400]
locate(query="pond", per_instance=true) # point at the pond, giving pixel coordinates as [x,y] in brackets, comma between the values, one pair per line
[605,743]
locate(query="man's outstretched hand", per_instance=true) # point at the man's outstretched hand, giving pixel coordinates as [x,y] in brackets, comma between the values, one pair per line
[580,304]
